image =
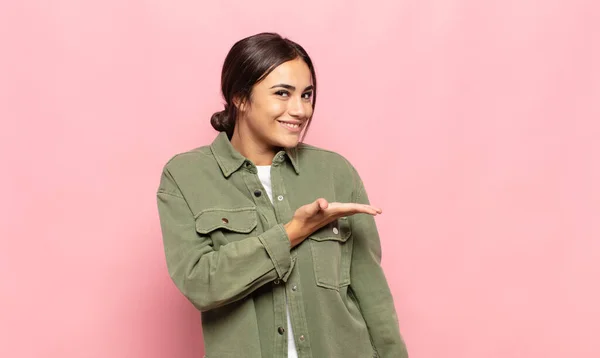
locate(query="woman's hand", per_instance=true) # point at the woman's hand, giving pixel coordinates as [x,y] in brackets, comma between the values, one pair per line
[311,217]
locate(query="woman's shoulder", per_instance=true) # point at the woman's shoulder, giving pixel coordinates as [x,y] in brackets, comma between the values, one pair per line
[305,149]
[192,156]
[313,154]
[187,169]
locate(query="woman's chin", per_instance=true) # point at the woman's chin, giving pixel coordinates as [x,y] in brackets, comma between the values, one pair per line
[286,140]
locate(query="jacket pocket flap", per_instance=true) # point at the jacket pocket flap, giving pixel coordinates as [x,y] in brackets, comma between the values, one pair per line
[241,220]
[337,230]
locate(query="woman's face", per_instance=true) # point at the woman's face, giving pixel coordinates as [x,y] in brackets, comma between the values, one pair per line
[279,107]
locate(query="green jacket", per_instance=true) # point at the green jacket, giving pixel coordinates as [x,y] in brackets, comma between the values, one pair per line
[228,253]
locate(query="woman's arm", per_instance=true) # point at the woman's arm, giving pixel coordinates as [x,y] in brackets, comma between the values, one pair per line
[369,285]
[209,278]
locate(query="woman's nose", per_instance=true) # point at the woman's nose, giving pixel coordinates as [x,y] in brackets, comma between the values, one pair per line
[297,107]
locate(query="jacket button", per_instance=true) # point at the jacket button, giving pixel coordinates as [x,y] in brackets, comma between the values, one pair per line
[257,193]
[281,330]
[225,221]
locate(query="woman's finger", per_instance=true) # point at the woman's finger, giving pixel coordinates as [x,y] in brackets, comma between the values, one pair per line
[323,204]
[353,208]
[316,206]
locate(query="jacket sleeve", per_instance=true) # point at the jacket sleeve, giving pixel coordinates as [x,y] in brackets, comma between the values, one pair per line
[369,285]
[209,278]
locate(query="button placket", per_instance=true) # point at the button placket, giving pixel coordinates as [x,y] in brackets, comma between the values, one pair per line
[293,300]
[280,316]
[297,314]
[280,204]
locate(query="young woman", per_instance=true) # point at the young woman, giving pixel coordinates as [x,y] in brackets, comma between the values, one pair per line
[274,240]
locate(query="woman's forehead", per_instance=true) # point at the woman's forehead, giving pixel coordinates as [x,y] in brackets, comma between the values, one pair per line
[295,73]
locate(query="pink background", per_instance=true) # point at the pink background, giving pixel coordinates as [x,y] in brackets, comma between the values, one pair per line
[475,125]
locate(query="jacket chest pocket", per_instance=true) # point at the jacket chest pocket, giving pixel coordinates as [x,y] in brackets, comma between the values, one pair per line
[331,253]
[226,225]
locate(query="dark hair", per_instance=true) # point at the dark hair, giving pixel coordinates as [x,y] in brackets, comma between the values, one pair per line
[249,61]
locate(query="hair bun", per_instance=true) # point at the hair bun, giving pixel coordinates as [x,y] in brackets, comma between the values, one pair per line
[220,121]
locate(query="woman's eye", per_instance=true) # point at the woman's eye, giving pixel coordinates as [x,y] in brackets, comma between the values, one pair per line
[282,93]
[307,95]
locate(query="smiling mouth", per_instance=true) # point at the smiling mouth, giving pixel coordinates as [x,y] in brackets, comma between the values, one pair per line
[291,125]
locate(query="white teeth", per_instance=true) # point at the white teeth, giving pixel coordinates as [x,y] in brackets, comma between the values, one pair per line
[291,125]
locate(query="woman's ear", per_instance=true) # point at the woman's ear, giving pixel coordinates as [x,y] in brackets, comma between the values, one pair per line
[240,104]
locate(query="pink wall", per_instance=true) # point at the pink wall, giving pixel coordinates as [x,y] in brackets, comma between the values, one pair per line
[475,125]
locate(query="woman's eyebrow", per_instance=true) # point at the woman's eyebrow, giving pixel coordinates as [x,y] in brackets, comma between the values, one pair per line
[291,88]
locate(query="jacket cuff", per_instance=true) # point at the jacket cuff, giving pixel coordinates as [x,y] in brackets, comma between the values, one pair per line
[277,244]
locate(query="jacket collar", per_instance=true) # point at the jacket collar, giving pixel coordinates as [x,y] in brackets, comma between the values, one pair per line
[230,160]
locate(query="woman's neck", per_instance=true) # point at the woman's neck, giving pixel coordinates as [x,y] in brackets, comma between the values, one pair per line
[254,150]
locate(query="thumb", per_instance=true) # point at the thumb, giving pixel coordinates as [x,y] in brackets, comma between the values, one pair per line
[316,206]
[322,204]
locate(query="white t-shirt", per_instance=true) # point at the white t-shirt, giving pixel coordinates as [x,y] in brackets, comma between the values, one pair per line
[264,174]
